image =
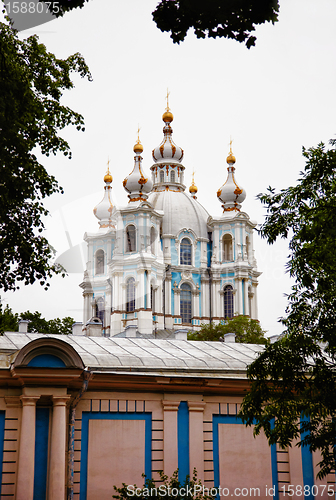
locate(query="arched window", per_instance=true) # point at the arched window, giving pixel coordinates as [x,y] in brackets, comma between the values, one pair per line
[228,301]
[161,176]
[172,176]
[130,239]
[227,248]
[185,303]
[130,295]
[100,262]
[100,309]
[185,252]
[152,239]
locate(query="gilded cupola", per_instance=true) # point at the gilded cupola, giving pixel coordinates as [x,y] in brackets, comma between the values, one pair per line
[103,211]
[231,195]
[167,151]
[136,184]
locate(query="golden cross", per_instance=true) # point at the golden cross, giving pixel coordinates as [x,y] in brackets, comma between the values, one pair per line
[230,144]
[108,164]
[168,93]
[138,133]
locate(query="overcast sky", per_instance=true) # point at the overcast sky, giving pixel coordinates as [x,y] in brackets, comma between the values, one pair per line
[272,100]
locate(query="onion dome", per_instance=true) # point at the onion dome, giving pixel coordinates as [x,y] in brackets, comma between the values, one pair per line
[231,194]
[103,211]
[193,188]
[136,184]
[167,152]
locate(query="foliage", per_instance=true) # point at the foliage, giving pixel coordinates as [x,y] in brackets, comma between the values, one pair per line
[9,322]
[235,19]
[32,82]
[190,489]
[248,331]
[38,324]
[295,379]
[215,18]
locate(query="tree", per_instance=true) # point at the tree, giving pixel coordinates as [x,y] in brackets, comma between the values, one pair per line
[169,489]
[8,320]
[32,81]
[293,382]
[235,19]
[248,331]
[38,324]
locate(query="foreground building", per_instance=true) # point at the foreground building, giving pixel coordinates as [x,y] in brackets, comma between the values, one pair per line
[80,414]
[162,261]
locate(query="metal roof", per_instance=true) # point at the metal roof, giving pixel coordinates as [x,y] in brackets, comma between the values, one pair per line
[147,356]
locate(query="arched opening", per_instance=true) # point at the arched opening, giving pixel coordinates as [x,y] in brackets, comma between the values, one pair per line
[161,176]
[228,302]
[130,238]
[152,239]
[185,303]
[130,295]
[100,264]
[227,248]
[185,252]
[172,176]
[100,310]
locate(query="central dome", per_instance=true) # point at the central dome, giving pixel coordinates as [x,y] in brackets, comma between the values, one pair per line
[180,212]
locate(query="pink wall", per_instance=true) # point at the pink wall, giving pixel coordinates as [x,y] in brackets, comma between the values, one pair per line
[244,461]
[116,454]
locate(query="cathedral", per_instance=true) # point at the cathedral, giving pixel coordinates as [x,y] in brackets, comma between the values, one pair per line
[162,262]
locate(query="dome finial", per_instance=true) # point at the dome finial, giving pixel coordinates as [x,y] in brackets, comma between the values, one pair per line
[231,160]
[138,147]
[193,188]
[167,116]
[108,177]
[167,97]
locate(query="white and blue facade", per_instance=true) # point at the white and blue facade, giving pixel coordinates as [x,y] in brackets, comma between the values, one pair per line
[162,262]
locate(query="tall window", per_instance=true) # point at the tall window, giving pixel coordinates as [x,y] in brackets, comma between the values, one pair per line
[100,309]
[99,262]
[161,176]
[185,303]
[227,248]
[130,239]
[130,295]
[152,239]
[172,176]
[228,301]
[185,252]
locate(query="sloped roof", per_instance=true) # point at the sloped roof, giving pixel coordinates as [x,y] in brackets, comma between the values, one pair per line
[147,356]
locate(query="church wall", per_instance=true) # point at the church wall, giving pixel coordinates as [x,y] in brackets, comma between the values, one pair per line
[120,434]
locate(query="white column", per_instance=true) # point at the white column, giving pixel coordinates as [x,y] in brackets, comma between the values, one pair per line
[255,301]
[239,296]
[177,293]
[195,308]
[57,486]
[25,479]
[246,298]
